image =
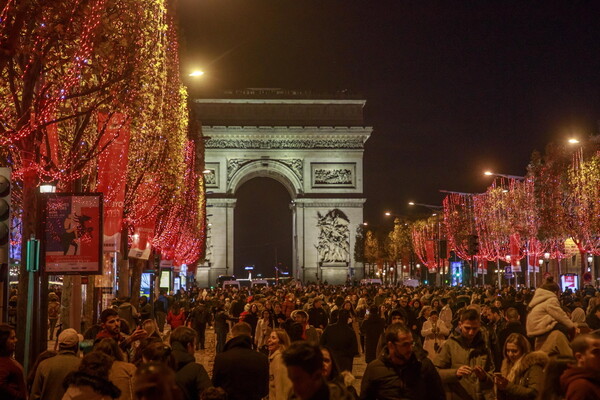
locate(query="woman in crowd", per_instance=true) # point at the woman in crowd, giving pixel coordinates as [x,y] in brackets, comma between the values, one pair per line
[90,381]
[332,374]
[278,316]
[121,373]
[159,352]
[156,381]
[251,317]
[354,324]
[435,333]
[176,316]
[12,379]
[263,330]
[279,383]
[522,372]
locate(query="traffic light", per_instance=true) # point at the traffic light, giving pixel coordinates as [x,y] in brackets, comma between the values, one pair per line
[4,213]
[473,245]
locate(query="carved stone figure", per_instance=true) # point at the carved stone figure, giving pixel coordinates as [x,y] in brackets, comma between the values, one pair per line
[334,237]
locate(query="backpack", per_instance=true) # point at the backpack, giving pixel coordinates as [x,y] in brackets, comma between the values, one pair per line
[53,309]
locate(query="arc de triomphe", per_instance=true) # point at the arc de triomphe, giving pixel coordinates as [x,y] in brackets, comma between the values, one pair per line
[314,148]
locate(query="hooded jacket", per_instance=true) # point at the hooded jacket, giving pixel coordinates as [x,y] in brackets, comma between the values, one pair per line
[580,383]
[456,352]
[528,376]
[417,379]
[190,376]
[242,372]
[545,313]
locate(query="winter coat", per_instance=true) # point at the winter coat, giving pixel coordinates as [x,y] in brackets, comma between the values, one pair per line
[371,329]
[446,315]
[12,380]
[317,317]
[545,313]
[580,383]
[279,383]
[329,391]
[242,372]
[340,338]
[81,386]
[435,333]
[175,320]
[122,374]
[525,377]
[49,377]
[457,352]
[263,330]
[415,380]
[190,376]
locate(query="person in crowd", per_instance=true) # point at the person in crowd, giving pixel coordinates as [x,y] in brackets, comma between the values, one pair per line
[355,323]
[221,327]
[251,317]
[593,317]
[547,320]
[161,306]
[176,316]
[398,373]
[341,339]
[332,373]
[522,372]
[408,313]
[48,381]
[372,328]
[90,381]
[121,373]
[465,361]
[582,380]
[158,352]
[263,330]
[156,381]
[151,328]
[578,318]
[53,314]
[145,308]
[317,316]
[279,383]
[288,305]
[279,317]
[551,386]
[111,329]
[128,313]
[191,377]
[446,312]
[513,325]
[12,378]
[213,393]
[304,362]
[242,372]
[435,333]
[200,317]
[495,322]
[44,355]
[309,332]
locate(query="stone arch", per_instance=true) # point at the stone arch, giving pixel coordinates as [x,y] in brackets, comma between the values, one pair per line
[274,169]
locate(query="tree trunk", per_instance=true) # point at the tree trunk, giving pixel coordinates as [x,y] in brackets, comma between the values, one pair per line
[65,302]
[136,281]
[89,307]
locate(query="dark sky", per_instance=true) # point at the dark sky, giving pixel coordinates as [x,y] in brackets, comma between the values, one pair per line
[452,87]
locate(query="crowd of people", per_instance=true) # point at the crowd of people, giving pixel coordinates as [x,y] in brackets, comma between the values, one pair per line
[301,342]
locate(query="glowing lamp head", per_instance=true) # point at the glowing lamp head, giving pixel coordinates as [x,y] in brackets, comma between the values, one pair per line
[196,73]
[573,141]
[488,173]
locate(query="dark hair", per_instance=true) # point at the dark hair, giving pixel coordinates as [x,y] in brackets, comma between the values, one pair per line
[159,352]
[5,331]
[109,347]
[581,342]
[214,393]
[335,370]
[156,381]
[392,331]
[305,355]
[295,332]
[96,364]
[373,310]
[551,285]
[469,315]
[343,316]
[183,335]
[303,313]
[106,314]
[512,314]
[241,329]
[494,310]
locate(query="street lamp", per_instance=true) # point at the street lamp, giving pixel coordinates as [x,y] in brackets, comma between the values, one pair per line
[547,258]
[196,73]
[573,141]
[517,177]
[590,260]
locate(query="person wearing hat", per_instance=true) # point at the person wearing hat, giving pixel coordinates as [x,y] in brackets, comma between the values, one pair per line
[48,381]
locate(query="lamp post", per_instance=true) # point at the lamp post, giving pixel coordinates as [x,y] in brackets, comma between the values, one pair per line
[547,258]
[517,177]
[590,260]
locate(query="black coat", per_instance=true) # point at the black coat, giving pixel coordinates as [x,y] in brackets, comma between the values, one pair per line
[416,380]
[341,339]
[190,376]
[242,372]
[317,317]
[371,329]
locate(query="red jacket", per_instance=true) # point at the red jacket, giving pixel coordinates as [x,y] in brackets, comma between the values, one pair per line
[580,383]
[175,320]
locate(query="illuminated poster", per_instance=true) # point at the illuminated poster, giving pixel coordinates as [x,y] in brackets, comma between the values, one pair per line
[73,233]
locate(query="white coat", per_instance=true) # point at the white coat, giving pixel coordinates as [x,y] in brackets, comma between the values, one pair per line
[545,313]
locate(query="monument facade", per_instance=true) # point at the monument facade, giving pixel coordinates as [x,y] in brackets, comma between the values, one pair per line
[314,148]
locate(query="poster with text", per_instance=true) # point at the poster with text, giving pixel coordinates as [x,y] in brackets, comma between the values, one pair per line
[73,233]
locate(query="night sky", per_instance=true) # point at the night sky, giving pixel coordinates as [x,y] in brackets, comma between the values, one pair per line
[452,88]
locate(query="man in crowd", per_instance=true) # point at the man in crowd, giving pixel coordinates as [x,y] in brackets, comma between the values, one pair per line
[308,331]
[513,325]
[161,306]
[111,328]
[49,377]
[200,316]
[341,339]
[145,309]
[304,362]
[465,360]
[240,370]
[190,376]
[582,381]
[495,323]
[398,373]
[593,318]
[317,316]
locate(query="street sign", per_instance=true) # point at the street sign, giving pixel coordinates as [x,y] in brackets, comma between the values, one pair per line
[508,272]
